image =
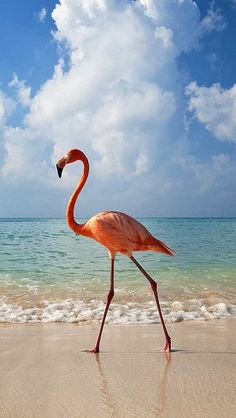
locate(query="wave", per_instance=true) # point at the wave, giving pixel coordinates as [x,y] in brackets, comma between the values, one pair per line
[71,311]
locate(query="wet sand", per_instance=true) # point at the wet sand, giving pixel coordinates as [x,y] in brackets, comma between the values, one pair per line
[44,372]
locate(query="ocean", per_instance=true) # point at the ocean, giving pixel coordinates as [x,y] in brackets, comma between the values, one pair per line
[48,274]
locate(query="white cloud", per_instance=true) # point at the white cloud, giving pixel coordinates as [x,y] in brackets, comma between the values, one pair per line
[23,91]
[16,154]
[118,93]
[214,61]
[7,105]
[215,107]
[214,20]
[42,15]
[165,35]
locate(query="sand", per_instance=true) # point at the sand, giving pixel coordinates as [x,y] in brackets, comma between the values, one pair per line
[44,372]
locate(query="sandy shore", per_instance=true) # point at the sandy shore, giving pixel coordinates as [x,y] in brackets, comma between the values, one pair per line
[44,372]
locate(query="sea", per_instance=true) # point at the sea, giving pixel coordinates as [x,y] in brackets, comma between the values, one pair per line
[49,274]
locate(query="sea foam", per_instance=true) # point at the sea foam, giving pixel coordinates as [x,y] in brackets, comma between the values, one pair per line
[130,313]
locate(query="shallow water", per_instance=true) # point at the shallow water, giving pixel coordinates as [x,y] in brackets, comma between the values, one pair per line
[49,274]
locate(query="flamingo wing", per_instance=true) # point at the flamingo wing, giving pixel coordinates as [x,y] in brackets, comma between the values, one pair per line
[120,232]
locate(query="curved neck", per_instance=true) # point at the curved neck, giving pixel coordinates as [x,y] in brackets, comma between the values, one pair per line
[71,222]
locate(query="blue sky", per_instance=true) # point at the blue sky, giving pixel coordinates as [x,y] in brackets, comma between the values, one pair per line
[27,47]
[146,88]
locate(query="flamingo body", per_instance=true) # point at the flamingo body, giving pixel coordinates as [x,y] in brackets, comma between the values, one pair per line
[118,232]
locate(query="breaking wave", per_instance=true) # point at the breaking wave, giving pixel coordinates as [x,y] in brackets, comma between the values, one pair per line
[71,311]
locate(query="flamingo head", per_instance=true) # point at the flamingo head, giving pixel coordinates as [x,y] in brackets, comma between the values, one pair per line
[70,157]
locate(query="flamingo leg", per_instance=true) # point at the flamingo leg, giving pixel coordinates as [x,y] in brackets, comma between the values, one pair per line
[154,289]
[109,298]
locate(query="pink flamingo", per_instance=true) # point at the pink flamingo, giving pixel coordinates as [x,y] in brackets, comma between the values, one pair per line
[118,232]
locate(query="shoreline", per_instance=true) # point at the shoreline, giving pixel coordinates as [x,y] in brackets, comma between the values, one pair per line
[45,373]
[124,310]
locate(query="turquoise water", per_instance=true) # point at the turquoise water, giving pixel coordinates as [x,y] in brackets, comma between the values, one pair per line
[49,274]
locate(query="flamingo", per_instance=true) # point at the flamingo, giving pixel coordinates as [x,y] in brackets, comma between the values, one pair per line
[118,232]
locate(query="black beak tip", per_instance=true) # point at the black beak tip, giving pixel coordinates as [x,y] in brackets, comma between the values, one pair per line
[59,171]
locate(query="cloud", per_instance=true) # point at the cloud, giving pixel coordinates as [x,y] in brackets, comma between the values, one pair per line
[7,106]
[119,92]
[232,4]
[214,20]
[23,91]
[42,15]
[214,61]
[116,93]
[215,107]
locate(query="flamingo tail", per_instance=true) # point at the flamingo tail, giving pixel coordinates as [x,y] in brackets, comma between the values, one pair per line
[155,244]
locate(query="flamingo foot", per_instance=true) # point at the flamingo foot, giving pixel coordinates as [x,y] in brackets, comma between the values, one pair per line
[92,350]
[167,347]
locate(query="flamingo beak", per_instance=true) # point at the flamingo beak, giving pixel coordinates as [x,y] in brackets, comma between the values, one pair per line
[59,170]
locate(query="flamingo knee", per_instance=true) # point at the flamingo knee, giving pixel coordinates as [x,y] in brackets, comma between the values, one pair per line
[153,285]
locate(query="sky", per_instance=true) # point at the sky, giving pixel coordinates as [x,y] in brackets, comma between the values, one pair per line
[146,88]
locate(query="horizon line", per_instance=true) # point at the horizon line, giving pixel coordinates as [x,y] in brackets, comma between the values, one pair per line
[139,217]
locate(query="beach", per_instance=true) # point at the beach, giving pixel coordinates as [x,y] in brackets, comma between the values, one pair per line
[53,287]
[45,373]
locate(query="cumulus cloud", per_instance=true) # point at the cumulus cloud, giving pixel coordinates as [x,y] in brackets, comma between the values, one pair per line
[116,94]
[120,90]
[215,107]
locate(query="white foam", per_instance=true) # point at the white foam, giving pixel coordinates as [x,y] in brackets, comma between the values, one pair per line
[130,313]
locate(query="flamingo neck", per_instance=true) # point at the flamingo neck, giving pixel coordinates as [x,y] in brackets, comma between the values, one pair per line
[70,219]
